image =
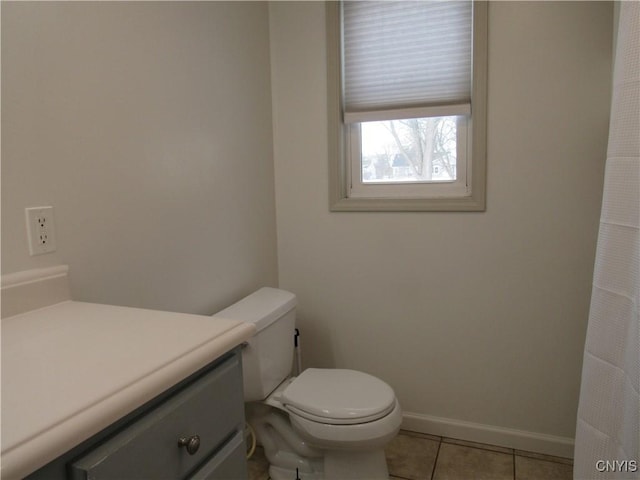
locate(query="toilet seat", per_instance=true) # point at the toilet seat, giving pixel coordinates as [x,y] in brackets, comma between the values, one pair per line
[338,397]
[359,436]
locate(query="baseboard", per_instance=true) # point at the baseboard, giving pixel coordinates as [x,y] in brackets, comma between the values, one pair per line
[489,434]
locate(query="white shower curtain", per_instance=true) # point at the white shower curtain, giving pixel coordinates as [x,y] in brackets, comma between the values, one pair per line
[608,428]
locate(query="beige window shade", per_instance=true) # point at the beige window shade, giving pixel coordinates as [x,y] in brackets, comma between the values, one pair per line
[412,58]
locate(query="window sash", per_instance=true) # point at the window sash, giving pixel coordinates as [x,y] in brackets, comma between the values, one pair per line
[460,187]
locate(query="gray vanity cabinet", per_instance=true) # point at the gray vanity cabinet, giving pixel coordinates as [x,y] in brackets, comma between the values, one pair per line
[195,432]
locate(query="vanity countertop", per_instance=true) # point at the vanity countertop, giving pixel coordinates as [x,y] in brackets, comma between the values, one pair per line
[71,369]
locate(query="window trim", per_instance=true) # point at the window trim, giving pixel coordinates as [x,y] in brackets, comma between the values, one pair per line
[339,161]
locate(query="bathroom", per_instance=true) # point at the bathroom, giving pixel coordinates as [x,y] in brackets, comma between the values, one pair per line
[184,150]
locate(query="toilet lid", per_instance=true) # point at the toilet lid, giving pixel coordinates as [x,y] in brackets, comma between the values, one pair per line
[338,397]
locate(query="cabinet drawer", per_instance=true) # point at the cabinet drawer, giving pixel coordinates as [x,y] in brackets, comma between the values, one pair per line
[210,407]
[229,463]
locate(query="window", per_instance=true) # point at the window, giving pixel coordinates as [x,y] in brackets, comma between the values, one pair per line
[407,102]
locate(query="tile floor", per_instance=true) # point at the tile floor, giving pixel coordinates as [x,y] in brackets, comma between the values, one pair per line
[415,456]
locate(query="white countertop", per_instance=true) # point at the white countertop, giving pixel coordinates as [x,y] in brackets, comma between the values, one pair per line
[71,369]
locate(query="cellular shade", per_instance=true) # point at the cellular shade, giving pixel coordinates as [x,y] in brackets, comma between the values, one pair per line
[411,56]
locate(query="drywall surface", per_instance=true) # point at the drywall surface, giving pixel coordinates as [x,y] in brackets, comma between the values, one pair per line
[475,317]
[147,126]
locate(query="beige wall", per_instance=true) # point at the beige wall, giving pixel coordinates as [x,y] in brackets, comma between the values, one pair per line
[148,127]
[471,317]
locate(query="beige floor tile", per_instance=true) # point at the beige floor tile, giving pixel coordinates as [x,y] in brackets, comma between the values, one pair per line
[258,465]
[534,469]
[458,462]
[411,457]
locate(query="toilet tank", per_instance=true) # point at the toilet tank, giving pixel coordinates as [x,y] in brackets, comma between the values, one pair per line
[268,357]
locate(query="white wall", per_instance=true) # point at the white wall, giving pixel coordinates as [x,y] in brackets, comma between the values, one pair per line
[473,317]
[148,127]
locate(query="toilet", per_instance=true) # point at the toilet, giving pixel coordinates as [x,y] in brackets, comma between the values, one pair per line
[330,424]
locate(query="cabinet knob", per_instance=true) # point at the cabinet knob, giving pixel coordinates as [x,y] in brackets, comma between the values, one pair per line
[192,443]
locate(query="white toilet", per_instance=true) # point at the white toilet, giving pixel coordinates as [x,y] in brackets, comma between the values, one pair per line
[323,424]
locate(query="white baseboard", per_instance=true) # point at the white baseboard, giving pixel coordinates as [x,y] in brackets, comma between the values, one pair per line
[489,434]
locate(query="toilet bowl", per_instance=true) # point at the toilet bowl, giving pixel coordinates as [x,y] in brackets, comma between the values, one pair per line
[343,409]
[323,424]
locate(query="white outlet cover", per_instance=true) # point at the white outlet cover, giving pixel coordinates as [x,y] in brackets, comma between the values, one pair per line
[41,232]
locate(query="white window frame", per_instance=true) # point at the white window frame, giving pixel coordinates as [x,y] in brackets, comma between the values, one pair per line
[447,189]
[349,193]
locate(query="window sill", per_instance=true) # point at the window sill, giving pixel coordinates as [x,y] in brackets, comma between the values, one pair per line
[451,204]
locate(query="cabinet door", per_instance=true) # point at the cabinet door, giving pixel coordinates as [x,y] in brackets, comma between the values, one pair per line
[228,464]
[211,407]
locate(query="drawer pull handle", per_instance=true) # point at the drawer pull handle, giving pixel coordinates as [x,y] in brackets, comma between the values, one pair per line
[192,444]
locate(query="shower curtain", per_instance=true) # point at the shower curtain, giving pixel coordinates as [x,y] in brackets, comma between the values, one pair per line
[608,429]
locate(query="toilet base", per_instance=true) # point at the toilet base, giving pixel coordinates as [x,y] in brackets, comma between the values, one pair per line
[279,473]
[340,466]
[287,452]
[369,465]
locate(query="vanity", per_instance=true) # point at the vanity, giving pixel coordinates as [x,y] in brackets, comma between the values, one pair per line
[94,391]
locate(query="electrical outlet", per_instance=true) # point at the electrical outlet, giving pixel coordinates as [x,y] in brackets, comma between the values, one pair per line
[41,231]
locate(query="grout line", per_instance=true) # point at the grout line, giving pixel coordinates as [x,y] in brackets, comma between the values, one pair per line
[548,460]
[513,456]
[543,457]
[482,447]
[435,462]
[512,451]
